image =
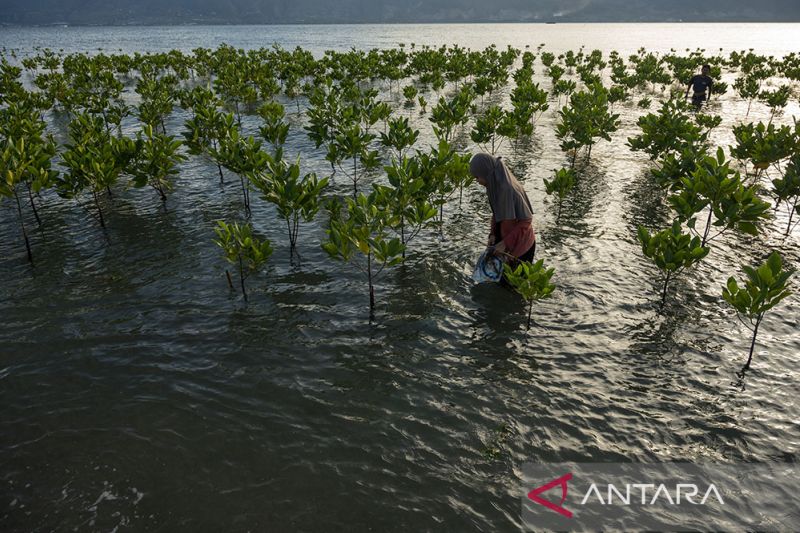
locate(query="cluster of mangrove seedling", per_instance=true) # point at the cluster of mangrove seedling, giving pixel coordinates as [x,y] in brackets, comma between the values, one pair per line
[359,108]
[710,198]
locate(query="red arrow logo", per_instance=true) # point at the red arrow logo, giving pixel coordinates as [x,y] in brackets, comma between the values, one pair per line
[534,495]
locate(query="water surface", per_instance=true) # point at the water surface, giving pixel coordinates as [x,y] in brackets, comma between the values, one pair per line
[139,393]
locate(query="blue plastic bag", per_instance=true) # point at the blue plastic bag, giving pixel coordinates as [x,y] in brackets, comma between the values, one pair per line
[488,268]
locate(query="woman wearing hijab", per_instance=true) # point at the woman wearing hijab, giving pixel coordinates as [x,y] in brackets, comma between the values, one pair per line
[511,233]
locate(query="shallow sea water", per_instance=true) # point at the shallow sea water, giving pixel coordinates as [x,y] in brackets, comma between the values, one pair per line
[138,393]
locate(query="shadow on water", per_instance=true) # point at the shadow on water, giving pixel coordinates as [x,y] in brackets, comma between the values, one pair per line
[523,154]
[647,203]
[577,217]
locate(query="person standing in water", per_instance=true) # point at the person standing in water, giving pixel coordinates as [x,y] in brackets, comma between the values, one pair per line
[511,236]
[699,84]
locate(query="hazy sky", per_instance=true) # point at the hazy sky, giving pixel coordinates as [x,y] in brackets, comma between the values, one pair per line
[321,11]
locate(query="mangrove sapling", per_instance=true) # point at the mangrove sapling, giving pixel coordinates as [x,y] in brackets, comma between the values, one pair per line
[373,112]
[21,120]
[561,185]
[292,89]
[720,89]
[363,233]
[518,125]
[353,144]
[234,88]
[586,119]
[243,249]
[206,127]
[787,189]
[672,251]
[96,90]
[296,198]
[674,167]
[555,72]
[763,145]
[405,199]
[448,114]
[617,93]
[155,161]
[94,159]
[242,156]
[11,88]
[748,88]
[409,94]
[532,282]
[776,100]
[423,104]
[670,131]
[27,163]
[707,122]
[763,289]
[528,96]
[444,171]
[157,95]
[326,118]
[730,204]
[564,88]
[491,127]
[274,130]
[400,136]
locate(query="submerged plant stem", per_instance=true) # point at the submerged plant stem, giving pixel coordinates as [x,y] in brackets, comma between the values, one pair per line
[24,232]
[753,343]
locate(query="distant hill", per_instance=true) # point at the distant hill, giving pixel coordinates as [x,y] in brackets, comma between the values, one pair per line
[151,12]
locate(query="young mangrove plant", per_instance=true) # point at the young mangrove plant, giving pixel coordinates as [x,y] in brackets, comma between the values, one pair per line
[491,127]
[206,127]
[242,156]
[670,131]
[400,136]
[157,99]
[94,159]
[296,198]
[748,88]
[409,94]
[532,282]
[787,189]
[776,100]
[448,114]
[672,251]
[561,185]
[362,233]
[274,130]
[528,99]
[586,119]
[763,289]
[26,163]
[242,249]
[764,145]
[405,199]
[21,120]
[445,171]
[423,105]
[155,161]
[714,185]
[353,143]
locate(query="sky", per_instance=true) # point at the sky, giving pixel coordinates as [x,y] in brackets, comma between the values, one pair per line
[125,12]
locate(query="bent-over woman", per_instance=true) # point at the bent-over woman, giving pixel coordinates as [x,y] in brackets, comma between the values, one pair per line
[511,232]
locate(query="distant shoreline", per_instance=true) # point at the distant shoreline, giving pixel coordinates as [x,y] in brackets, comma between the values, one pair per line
[433,23]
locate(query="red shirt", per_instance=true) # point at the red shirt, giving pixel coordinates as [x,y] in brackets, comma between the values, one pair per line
[516,234]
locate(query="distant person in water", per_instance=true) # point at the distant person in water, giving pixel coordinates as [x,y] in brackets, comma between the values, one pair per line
[511,236]
[701,85]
